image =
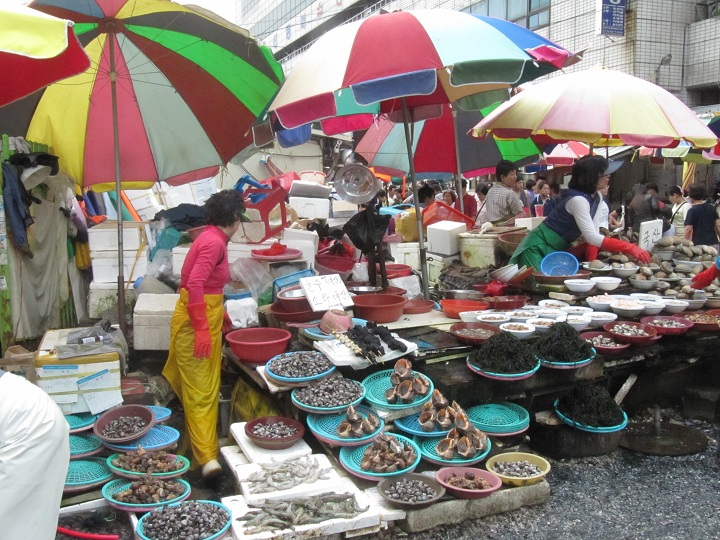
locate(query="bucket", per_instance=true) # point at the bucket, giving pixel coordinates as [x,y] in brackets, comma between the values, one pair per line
[313,176]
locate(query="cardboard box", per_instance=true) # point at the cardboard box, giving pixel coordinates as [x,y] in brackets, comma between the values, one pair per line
[19,361]
[104,237]
[442,237]
[105,265]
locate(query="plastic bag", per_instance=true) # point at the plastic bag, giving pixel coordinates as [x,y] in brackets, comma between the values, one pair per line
[243,312]
[249,402]
[161,266]
[360,271]
[94,340]
[411,284]
[406,226]
[253,274]
[366,230]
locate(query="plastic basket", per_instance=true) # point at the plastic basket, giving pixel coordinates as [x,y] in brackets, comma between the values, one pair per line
[140,529]
[591,429]
[427,450]
[410,424]
[509,241]
[559,263]
[501,418]
[80,421]
[502,376]
[376,384]
[158,438]
[84,474]
[324,410]
[111,489]
[84,445]
[125,473]
[569,365]
[439,211]
[161,413]
[324,427]
[270,373]
[351,456]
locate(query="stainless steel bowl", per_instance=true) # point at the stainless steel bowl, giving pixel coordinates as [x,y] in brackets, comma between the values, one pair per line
[462,294]
[364,289]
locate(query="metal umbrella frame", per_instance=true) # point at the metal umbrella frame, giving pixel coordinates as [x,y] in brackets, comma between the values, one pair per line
[407,63]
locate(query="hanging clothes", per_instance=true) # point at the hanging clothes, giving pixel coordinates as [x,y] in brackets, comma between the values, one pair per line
[17,208]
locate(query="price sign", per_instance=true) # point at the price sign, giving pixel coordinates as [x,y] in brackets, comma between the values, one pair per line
[326,292]
[650,232]
[97,391]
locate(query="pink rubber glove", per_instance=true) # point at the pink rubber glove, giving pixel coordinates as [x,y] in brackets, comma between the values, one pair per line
[227,323]
[618,246]
[203,339]
[706,277]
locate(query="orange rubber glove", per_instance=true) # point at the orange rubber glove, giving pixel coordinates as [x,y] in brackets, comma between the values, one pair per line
[706,277]
[227,323]
[198,319]
[618,246]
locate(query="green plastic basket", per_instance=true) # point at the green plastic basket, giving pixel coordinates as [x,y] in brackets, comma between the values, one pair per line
[376,384]
[427,451]
[85,474]
[84,445]
[499,418]
[80,421]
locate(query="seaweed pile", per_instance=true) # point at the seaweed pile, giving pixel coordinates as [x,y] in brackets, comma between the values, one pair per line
[504,353]
[592,406]
[561,343]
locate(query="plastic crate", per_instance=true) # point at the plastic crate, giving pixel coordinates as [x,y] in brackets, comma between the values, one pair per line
[439,211]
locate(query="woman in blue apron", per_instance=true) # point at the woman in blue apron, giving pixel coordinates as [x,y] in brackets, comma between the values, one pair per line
[572,217]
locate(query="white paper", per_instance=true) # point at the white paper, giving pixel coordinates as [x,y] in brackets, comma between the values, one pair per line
[326,292]
[60,382]
[98,391]
[650,232]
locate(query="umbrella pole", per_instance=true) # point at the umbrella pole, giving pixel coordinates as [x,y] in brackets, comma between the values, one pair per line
[458,180]
[116,150]
[416,202]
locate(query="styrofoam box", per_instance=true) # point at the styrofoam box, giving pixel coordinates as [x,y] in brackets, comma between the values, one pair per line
[105,265]
[442,237]
[236,250]
[307,207]
[104,296]
[151,321]
[303,188]
[104,237]
[478,250]
[436,264]
[406,253]
[530,223]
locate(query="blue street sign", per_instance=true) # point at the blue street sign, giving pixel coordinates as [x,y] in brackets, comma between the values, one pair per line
[612,17]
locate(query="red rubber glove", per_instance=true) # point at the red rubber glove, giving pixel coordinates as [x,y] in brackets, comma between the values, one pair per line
[706,277]
[227,323]
[591,252]
[198,319]
[613,244]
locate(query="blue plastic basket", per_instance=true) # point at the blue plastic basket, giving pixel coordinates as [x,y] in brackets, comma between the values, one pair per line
[376,384]
[140,529]
[81,421]
[502,376]
[324,427]
[499,418]
[161,413]
[84,445]
[351,456]
[125,473]
[158,438]
[270,373]
[569,365]
[410,424]
[85,474]
[591,429]
[559,263]
[289,280]
[427,450]
[324,410]
[111,489]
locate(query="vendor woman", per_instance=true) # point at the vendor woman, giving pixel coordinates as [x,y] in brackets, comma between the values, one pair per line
[193,364]
[572,217]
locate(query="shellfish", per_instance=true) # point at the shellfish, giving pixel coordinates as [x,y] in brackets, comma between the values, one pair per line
[405,391]
[446,448]
[427,420]
[438,400]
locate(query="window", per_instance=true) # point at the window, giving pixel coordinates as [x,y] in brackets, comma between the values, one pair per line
[532,14]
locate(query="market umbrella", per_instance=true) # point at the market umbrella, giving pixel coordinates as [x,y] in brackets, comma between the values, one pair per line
[435,142]
[600,107]
[36,49]
[409,60]
[565,153]
[171,95]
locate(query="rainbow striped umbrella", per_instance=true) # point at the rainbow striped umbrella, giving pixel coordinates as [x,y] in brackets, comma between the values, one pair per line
[35,50]
[171,95]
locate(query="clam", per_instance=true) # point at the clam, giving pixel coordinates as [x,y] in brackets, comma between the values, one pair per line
[396,447]
[454,434]
[446,448]
[395,379]
[344,429]
[438,400]
[427,421]
[443,419]
[465,448]
[405,391]
[391,394]
[403,368]
[420,385]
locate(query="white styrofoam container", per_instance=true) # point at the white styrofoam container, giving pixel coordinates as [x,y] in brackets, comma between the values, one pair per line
[104,237]
[436,262]
[479,251]
[530,222]
[151,321]
[307,207]
[303,188]
[105,265]
[103,297]
[305,241]
[406,253]
[442,237]
[260,455]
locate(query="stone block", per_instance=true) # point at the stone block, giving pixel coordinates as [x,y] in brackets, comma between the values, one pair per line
[701,403]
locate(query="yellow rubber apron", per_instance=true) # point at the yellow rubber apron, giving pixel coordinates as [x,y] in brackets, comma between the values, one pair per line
[541,241]
[196,381]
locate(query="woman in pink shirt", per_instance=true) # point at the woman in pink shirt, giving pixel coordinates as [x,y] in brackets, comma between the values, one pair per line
[193,364]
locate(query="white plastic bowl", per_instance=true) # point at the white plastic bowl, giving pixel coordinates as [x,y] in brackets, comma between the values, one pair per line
[522,315]
[643,284]
[600,306]
[579,285]
[541,324]
[520,334]
[673,305]
[505,273]
[606,283]
[552,303]
[579,323]
[646,296]
[713,302]
[627,311]
[625,272]
[487,317]
[470,316]
[599,318]
[576,310]
[549,313]
[694,304]
[651,307]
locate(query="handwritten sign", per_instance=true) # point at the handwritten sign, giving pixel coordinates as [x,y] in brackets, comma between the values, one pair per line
[98,391]
[60,382]
[326,292]
[650,232]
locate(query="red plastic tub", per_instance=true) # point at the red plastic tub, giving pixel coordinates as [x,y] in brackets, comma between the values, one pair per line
[379,308]
[258,345]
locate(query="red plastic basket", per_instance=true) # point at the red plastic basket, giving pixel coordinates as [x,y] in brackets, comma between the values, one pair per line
[439,211]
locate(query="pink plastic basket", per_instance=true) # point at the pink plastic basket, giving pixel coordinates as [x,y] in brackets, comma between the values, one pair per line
[439,211]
